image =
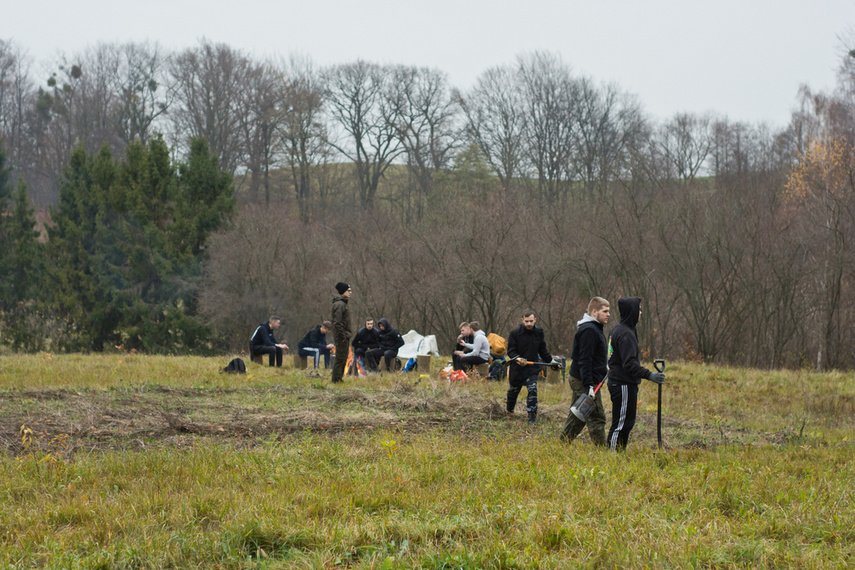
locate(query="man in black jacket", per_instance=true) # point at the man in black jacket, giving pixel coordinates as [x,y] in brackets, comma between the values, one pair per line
[366,339]
[526,346]
[390,342]
[625,372]
[590,363]
[315,344]
[263,341]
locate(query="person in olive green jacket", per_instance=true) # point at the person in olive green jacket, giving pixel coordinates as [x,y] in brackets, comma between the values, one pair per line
[341,329]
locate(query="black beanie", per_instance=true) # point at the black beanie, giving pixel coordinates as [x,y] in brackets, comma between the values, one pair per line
[341,287]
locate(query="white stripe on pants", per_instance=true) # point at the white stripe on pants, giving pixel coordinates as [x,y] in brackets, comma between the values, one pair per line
[624,402]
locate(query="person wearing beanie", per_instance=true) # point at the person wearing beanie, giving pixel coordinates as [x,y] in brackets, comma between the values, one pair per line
[341,329]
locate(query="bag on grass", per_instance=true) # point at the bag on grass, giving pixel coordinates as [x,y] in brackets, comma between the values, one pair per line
[236,366]
[457,376]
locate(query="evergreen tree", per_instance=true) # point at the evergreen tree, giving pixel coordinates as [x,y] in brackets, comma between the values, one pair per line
[79,262]
[128,244]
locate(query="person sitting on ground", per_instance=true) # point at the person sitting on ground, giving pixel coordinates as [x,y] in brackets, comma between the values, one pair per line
[466,336]
[263,341]
[390,342]
[477,352]
[315,344]
[366,339]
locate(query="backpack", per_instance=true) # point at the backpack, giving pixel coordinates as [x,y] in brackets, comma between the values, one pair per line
[236,366]
[498,345]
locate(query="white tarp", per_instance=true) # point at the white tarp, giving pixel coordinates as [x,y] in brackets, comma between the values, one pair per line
[416,344]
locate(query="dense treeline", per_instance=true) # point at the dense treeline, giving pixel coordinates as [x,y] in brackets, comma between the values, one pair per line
[536,187]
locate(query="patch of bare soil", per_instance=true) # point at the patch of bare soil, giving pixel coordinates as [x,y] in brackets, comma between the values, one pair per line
[69,421]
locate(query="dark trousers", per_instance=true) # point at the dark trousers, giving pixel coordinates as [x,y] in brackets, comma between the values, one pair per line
[624,404]
[517,382]
[316,353]
[596,423]
[274,352]
[373,357]
[466,362]
[368,359]
[342,346]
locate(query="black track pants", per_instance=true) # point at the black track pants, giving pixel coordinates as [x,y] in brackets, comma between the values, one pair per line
[624,404]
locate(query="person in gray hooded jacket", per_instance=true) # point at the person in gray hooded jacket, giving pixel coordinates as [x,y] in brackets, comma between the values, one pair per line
[477,352]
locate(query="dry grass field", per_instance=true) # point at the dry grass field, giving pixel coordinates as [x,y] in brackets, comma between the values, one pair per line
[131,461]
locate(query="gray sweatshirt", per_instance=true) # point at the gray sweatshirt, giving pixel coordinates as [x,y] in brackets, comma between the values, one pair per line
[480,346]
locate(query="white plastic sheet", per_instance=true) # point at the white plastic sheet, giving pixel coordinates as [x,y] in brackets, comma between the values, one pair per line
[416,344]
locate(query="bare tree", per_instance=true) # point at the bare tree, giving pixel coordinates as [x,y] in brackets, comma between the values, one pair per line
[686,141]
[608,121]
[550,130]
[495,121]
[423,113]
[17,95]
[142,94]
[260,113]
[303,132]
[209,82]
[357,97]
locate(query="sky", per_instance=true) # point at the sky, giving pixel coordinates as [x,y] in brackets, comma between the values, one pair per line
[741,59]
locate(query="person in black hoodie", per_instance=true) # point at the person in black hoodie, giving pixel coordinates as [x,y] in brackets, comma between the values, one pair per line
[390,342]
[263,341]
[590,363]
[526,345]
[626,372]
[366,339]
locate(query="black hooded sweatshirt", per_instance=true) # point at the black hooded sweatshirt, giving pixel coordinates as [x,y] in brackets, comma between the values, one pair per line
[624,366]
[390,339]
[590,354]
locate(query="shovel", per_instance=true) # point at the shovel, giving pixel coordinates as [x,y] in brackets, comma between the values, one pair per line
[659,364]
[585,405]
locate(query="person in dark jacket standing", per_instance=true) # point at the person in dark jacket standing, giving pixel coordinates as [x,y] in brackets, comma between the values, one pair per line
[341,329]
[626,372]
[314,344]
[526,345]
[390,342]
[366,338]
[590,363]
[263,341]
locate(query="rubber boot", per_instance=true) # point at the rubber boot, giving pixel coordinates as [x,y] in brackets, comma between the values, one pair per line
[532,417]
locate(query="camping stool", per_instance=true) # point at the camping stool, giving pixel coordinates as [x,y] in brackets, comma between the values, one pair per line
[483,370]
[300,362]
[423,363]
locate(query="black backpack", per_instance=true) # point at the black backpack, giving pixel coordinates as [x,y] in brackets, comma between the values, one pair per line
[236,366]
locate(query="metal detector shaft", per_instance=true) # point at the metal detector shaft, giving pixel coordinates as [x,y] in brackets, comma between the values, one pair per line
[656,364]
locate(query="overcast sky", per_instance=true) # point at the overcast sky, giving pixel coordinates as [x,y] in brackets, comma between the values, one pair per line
[741,58]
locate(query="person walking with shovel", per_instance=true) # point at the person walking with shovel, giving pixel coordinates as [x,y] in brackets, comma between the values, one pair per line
[626,372]
[526,352]
[590,364]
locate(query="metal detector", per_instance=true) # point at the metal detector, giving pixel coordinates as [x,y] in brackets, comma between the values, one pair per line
[659,364]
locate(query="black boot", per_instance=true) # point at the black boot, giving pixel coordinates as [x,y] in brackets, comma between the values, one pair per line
[532,417]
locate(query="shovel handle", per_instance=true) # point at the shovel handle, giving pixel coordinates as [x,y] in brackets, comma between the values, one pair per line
[659,364]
